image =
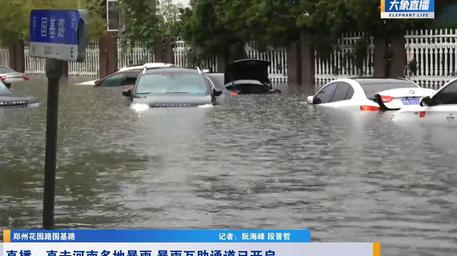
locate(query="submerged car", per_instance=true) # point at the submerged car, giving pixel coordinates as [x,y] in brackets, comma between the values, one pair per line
[9,76]
[439,108]
[124,77]
[172,87]
[249,76]
[8,99]
[369,94]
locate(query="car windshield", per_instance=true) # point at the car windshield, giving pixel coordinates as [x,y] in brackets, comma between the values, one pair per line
[371,88]
[3,89]
[173,82]
[4,70]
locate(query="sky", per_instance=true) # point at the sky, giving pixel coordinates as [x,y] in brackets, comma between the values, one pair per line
[183,2]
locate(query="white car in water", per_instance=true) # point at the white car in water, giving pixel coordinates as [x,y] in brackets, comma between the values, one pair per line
[125,76]
[369,94]
[9,76]
[440,108]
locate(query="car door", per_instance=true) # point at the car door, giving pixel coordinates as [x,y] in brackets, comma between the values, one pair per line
[443,107]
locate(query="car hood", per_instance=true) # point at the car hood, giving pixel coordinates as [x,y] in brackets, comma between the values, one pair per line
[87,83]
[13,100]
[175,100]
[249,69]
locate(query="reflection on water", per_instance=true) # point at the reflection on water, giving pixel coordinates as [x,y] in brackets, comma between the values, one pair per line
[252,162]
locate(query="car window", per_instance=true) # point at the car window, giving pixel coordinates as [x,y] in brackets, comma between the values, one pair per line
[343,92]
[349,93]
[209,82]
[218,80]
[114,80]
[4,70]
[3,88]
[371,89]
[131,77]
[446,96]
[162,83]
[326,94]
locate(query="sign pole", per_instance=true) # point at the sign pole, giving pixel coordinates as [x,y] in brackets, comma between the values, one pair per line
[53,72]
[59,36]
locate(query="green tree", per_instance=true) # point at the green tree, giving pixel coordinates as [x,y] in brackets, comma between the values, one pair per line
[169,15]
[216,26]
[142,24]
[204,30]
[13,21]
[266,22]
[223,27]
[15,16]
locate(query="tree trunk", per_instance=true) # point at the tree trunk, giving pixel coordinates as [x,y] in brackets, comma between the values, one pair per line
[380,58]
[17,58]
[108,55]
[398,61]
[293,63]
[307,64]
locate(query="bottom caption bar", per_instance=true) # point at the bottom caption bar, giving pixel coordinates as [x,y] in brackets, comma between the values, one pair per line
[176,243]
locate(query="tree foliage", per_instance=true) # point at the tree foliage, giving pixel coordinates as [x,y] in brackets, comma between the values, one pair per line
[169,15]
[203,29]
[216,26]
[15,16]
[222,27]
[141,21]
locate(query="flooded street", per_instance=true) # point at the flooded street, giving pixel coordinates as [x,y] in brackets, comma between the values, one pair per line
[252,162]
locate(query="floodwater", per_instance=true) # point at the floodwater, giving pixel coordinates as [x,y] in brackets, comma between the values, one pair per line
[259,162]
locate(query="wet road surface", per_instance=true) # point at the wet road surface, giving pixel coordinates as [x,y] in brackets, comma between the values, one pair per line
[251,162]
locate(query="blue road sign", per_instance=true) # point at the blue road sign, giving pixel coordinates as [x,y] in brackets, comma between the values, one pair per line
[58,34]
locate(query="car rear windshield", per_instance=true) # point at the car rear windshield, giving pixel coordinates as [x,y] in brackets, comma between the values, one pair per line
[4,70]
[173,82]
[372,88]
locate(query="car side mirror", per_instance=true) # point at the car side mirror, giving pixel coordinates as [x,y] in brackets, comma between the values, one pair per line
[426,101]
[310,100]
[217,92]
[127,93]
